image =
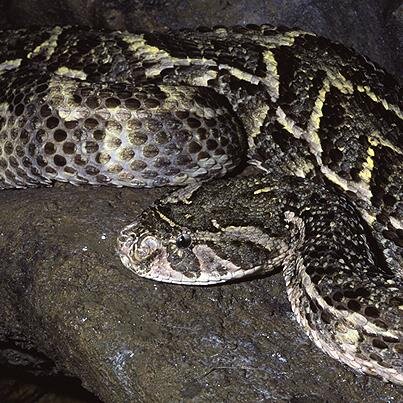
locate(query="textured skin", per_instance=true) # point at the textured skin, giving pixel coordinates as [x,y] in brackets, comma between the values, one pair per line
[158,109]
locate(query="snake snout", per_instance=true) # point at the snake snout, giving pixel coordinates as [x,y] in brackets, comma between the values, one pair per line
[145,248]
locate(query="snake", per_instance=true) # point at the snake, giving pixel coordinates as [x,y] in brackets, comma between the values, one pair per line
[321,124]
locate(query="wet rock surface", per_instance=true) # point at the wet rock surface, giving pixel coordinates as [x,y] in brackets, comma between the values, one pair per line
[69,306]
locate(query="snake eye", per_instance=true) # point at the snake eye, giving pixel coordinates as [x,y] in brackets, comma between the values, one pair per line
[183,241]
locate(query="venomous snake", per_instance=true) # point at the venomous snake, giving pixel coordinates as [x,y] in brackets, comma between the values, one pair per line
[322,123]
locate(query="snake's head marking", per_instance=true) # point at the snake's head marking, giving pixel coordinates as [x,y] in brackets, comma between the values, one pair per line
[201,237]
[155,248]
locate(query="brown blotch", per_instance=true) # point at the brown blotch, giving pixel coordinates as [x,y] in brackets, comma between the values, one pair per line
[371,311]
[182,114]
[150,151]
[45,111]
[102,179]
[78,160]
[115,168]
[52,122]
[91,147]
[69,148]
[50,148]
[194,147]
[132,103]
[31,149]
[379,344]
[60,135]
[137,138]
[70,170]
[193,123]
[354,305]
[210,122]
[19,151]
[19,110]
[326,316]
[71,124]
[41,161]
[99,135]
[50,170]
[203,155]
[211,144]
[183,160]
[112,102]
[102,158]
[92,102]
[8,148]
[138,165]
[13,162]
[90,123]
[126,154]
[161,138]
[161,162]
[151,103]
[59,160]
[91,170]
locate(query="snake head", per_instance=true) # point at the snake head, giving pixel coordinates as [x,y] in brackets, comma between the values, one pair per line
[155,248]
[200,237]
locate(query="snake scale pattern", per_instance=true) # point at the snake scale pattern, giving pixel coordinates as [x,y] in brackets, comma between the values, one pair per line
[323,124]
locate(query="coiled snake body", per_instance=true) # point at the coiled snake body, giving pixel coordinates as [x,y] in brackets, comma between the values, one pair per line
[152,109]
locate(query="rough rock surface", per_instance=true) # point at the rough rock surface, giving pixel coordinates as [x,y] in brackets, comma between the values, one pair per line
[66,297]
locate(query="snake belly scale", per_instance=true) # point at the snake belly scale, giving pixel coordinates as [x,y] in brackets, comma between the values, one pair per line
[323,124]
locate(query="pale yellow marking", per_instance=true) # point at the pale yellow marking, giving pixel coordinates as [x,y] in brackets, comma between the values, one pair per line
[360,188]
[166,219]
[314,120]
[240,74]
[215,224]
[394,108]
[396,223]
[313,140]
[3,108]
[288,124]
[262,190]
[269,82]
[347,336]
[202,80]
[336,79]
[375,139]
[48,47]
[10,65]
[369,218]
[366,173]
[272,77]
[163,60]
[286,39]
[255,122]
[71,73]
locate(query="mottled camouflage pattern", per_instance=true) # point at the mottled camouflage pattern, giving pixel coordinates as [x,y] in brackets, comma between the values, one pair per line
[154,109]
